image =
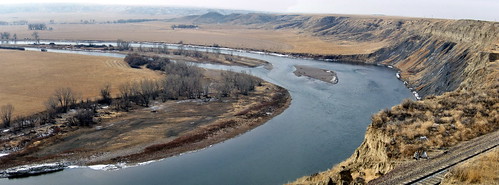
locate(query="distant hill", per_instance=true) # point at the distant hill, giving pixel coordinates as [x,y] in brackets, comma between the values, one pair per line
[82,8]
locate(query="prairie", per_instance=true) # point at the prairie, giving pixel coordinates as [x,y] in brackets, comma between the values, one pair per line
[28,78]
[226,35]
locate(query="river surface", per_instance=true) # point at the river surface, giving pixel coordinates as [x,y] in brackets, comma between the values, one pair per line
[323,126]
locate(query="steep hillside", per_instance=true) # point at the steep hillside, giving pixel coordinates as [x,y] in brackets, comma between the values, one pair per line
[434,56]
[452,64]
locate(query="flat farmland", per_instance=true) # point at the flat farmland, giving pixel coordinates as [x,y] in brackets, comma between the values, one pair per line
[286,40]
[28,78]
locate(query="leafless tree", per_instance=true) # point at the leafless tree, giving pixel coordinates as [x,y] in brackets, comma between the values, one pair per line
[105,93]
[52,105]
[5,35]
[126,93]
[62,100]
[123,45]
[6,112]
[145,91]
[163,49]
[232,82]
[36,37]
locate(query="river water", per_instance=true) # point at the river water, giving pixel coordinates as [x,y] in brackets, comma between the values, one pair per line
[323,126]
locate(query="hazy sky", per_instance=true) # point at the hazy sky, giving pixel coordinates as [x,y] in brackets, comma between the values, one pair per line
[455,9]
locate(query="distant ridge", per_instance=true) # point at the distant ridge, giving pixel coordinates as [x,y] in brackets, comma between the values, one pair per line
[81,8]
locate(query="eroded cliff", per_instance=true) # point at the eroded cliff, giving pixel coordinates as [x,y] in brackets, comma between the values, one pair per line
[434,57]
[453,63]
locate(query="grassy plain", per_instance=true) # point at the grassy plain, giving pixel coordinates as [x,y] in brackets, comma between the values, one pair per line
[28,78]
[234,36]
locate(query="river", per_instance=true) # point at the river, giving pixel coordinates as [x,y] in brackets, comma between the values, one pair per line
[323,126]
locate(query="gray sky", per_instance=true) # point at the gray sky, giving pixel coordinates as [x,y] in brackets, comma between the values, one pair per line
[454,9]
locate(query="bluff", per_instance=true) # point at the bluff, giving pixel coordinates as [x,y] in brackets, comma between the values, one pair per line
[434,55]
[452,64]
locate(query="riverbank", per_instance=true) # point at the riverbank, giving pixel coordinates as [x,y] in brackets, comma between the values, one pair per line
[159,131]
[176,52]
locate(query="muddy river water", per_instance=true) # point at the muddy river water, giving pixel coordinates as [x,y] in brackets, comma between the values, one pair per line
[322,127]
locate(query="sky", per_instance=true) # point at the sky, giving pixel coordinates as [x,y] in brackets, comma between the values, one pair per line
[453,9]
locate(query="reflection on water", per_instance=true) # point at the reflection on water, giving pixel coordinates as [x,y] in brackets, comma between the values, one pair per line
[322,127]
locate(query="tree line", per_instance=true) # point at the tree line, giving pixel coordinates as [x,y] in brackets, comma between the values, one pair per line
[37,27]
[6,36]
[184,26]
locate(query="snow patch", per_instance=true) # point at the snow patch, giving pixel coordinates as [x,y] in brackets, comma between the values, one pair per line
[416,95]
[108,167]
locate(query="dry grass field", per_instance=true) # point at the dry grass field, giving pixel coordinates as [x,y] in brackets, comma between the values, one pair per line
[480,170]
[239,36]
[28,78]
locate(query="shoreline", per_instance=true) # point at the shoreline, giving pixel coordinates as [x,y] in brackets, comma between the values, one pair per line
[215,132]
[218,133]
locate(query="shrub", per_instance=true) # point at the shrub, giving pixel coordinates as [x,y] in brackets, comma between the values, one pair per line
[83,117]
[135,60]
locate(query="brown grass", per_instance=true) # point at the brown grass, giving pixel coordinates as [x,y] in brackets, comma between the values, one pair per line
[438,122]
[481,170]
[28,78]
[286,40]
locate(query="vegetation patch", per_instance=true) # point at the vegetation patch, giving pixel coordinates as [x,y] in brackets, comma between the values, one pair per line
[482,170]
[187,108]
[438,122]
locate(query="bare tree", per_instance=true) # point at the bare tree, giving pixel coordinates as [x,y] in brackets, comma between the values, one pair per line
[51,104]
[105,93]
[36,37]
[62,100]
[123,45]
[37,27]
[6,113]
[5,35]
[15,38]
[123,103]
[232,82]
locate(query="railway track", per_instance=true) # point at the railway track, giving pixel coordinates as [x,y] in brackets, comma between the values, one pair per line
[431,171]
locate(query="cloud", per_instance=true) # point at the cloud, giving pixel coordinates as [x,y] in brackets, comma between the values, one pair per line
[455,9]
